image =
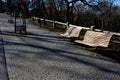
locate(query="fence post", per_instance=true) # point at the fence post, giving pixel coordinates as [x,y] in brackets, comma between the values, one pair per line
[15,23]
[39,21]
[67,25]
[33,19]
[91,28]
[53,24]
[44,22]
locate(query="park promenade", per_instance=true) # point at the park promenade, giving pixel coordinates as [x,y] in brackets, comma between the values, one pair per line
[43,55]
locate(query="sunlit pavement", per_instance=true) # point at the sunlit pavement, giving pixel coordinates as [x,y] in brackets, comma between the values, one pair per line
[44,56]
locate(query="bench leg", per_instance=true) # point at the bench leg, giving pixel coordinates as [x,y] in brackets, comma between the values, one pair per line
[72,39]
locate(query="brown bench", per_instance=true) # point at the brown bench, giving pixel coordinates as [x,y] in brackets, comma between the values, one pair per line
[95,39]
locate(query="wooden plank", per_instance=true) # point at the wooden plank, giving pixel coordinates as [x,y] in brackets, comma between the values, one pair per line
[79,26]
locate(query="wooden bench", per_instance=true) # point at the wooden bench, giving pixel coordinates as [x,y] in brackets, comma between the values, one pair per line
[73,32]
[95,39]
[114,44]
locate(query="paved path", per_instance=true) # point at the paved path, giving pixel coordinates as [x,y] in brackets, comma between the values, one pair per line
[3,67]
[44,56]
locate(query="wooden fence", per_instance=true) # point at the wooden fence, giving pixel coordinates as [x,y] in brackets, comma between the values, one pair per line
[65,25]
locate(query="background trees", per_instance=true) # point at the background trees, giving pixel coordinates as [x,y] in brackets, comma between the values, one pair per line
[104,14]
[2,4]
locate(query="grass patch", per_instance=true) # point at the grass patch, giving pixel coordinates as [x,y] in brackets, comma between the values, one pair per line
[87,51]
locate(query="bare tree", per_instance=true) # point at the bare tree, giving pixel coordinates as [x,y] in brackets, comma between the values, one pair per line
[87,12]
